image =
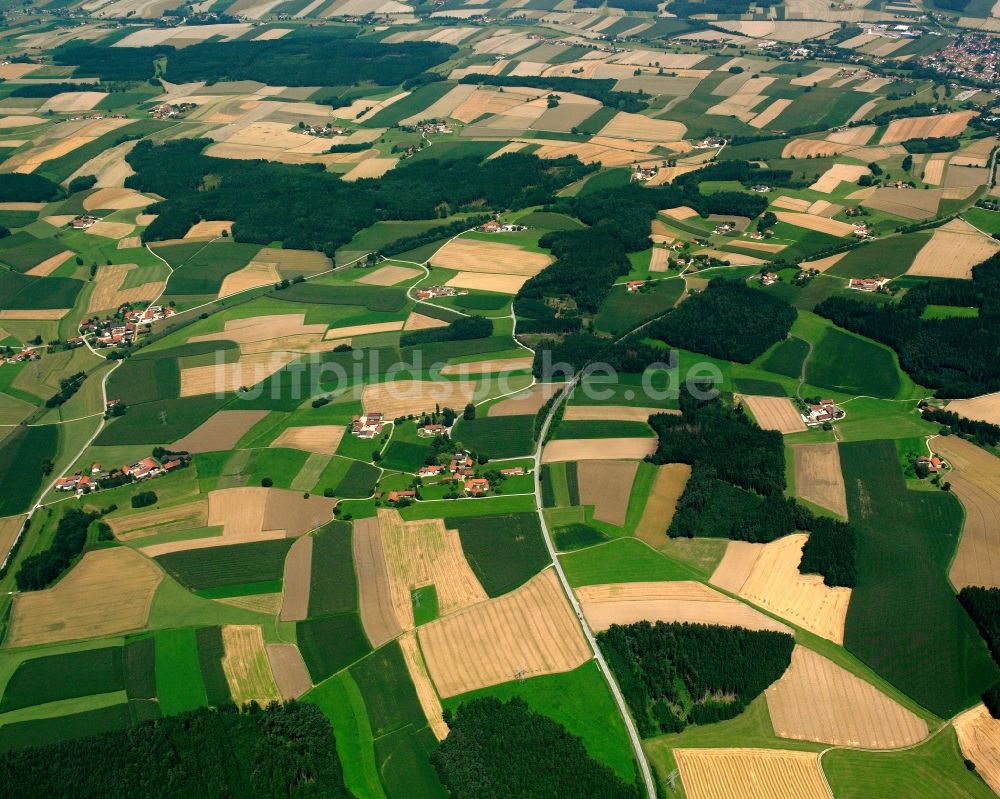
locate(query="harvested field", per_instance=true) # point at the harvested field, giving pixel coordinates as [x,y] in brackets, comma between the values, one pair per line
[607,485]
[296,580]
[108,592]
[768,575]
[115,199]
[668,485]
[69,102]
[658,261]
[857,136]
[219,432]
[246,666]
[403,397]
[531,631]
[322,439]
[953,250]
[934,169]
[110,230]
[790,204]
[774,413]
[908,203]
[818,223]
[370,168]
[837,173]
[637,126]
[526,402]
[621,413]
[422,553]
[266,334]
[292,263]
[824,263]
[680,213]
[363,330]
[817,700]
[769,114]
[208,229]
[952,124]
[588,449]
[49,265]
[130,243]
[985,408]
[818,477]
[228,377]
[496,366]
[750,774]
[258,603]
[975,480]
[417,321]
[389,275]
[979,739]
[805,148]
[10,527]
[502,284]
[760,246]
[19,121]
[108,293]
[489,101]
[426,694]
[47,314]
[680,601]
[251,276]
[473,255]
[290,673]
[189,516]
[374,595]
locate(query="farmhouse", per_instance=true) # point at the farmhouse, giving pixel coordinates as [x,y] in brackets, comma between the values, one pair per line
[477,486]
[769,278]
[634,285]
[83,222]
[394,496]
[438,291]
[429,430]
[461,464]
[151,314]
[644,173]
[725,227]
[367,426]
[432,470]
[516,471]
[933,464]
[825,411]
[867,283]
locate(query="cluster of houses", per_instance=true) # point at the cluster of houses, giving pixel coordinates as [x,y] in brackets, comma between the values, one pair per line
[23,355]
[438,291]
[123,328]
[83,222]
[434,126]
[171,110]
[643,173]
[723,228]
[327,131]
[459,472]
[493,226]
[144,469]
[867,283]
[826,410]
[367,426]
[145,316]
[710,142]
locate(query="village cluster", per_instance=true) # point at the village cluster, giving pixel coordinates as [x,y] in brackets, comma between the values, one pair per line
[124,327]
[143,469]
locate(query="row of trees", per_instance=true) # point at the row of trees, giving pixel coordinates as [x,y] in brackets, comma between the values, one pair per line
[462,329]
[437,233]
[957,355]
[43,568]
[983,433]
[673,675]
[983,606]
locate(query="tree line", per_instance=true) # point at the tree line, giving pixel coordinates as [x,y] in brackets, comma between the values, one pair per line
[601,89]
[40,570]
[17,187]
[461,329]
[983,606]
[673,675]
[982,433]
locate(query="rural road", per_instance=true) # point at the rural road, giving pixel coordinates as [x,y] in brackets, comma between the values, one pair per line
[640,755]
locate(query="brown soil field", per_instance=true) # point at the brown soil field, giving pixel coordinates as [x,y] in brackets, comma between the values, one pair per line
[769,114]
[108,592]
[824,263]
[289,670]
[145,219]
[417,321]
[532,631]
[49,265]
[975,480]
[495,366]
[775,413]
[668,485]
[934,169]
[658,259]
[322,439]
[208,230]
[952,124]
[817,700]
[750,774]
[224,378]
[818,477]
[422,553]
[502,284]
[681,213]
[985,408]
[773,581]
[619,413]
[130,243]
[363,330]
[837,173]
[953,250]
[681,601]
[426,694]
[791,204]
[526,402]
[857,136]
[219,432]
[606,485]
[810,222]
[908,203]
[116,199]
[374,595]
[389,275]
[297,577]
[637,126]
[979,739]
[295,514]
[245,664]
[258,603]
[403,397]
[189,516]
[588,449]
[107,294]
[472,255]
[803,148]
[250,276]
[10,526]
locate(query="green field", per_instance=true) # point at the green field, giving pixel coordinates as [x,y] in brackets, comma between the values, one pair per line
[948,312]
[331,643]
[333,585]
[159,422]
[31,253]
[496,436]
[38,732]
[904,620]
[238,564]
[203,271]
[504,551]
[425,604]
[624,560]
[358,482]
[603,429]
[888,257]
[623,310]
[65,676]
[179,685]
[987,221]
[787,357]
[854,365]
[23,455]
[210,653]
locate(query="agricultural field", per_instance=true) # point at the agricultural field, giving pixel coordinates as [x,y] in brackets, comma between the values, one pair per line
[383,356]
